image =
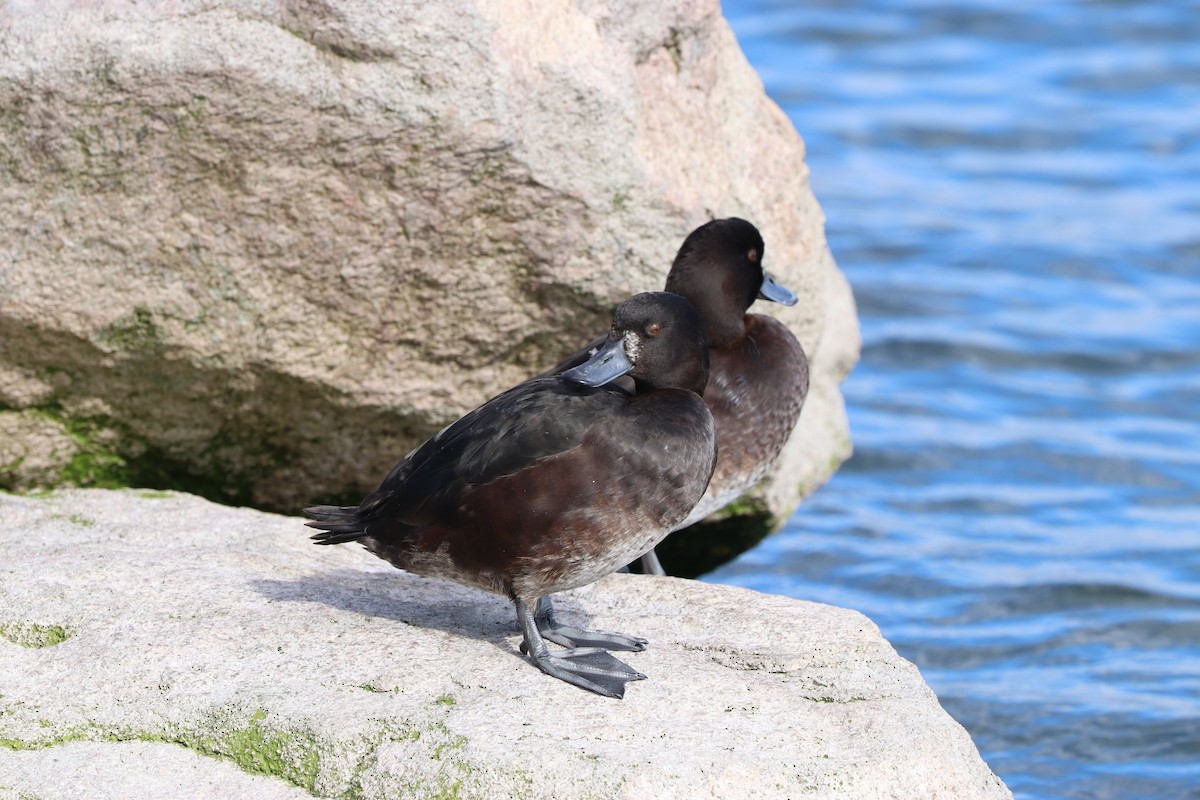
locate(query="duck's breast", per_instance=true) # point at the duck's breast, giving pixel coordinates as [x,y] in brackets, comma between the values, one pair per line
[635,478]
[756,390]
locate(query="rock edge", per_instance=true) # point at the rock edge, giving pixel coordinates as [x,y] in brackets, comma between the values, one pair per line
[191,629]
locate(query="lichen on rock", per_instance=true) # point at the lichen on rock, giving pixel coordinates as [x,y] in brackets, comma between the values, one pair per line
[33,634]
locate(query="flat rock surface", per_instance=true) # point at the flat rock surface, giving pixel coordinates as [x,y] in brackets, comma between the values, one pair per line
[124,770]
[156,640]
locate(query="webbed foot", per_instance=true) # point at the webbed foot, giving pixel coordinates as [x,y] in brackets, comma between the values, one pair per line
[570,636]
[590,668]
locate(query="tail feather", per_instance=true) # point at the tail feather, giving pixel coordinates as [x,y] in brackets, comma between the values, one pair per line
[337,524]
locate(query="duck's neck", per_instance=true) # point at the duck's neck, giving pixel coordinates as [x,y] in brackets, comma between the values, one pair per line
[720,300]
[690,374]
[722,329]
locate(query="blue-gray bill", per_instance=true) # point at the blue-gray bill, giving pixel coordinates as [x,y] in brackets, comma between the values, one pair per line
[770,290]
[606,365]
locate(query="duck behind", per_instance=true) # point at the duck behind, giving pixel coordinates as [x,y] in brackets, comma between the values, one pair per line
[758,372]
[554,484]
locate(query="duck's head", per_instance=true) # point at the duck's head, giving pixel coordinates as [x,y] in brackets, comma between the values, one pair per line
[719,270]
[657,340]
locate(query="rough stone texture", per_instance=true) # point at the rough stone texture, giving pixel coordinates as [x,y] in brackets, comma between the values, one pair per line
[174,622]
[35,452]
[124,770]
[261,248]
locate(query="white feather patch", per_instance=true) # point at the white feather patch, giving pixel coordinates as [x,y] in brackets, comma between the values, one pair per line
[633,346]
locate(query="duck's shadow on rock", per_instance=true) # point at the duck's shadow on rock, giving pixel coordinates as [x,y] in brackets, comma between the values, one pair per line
[412,600]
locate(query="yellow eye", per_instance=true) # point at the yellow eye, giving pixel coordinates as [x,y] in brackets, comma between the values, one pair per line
[654,329]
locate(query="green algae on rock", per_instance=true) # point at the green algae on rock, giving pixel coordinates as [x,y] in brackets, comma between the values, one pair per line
[31,634]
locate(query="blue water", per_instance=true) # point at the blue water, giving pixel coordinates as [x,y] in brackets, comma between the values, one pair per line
[1013,190]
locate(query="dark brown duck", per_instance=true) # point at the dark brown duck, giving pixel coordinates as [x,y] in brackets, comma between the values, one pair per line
[554,484]
[758,372]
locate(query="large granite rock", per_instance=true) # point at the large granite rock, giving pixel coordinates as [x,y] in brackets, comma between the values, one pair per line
[159,640]
[260,249]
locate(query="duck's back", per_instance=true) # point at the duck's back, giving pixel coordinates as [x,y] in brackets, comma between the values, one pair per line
[756,389]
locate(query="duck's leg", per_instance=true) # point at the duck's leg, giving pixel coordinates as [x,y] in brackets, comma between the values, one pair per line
[587,667]
[651,565]
[570,636]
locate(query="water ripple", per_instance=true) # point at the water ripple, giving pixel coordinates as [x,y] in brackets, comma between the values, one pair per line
[1013,190]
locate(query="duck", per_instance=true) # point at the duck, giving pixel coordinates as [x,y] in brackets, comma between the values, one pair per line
[554,484]
[758,371]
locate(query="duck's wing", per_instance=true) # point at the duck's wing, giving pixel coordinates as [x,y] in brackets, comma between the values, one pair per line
[538,419]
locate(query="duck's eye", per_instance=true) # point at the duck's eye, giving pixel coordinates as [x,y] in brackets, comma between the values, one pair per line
[654,329]
[753,255]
